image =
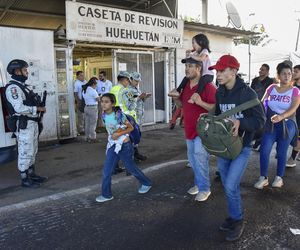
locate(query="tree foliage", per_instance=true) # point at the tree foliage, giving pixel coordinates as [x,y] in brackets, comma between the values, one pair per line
[261,39]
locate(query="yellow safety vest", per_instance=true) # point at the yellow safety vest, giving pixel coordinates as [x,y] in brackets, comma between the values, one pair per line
[116,90]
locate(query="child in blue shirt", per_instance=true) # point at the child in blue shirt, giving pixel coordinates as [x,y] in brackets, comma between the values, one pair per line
[118,147]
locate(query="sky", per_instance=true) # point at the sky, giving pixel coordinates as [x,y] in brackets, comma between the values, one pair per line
[278,17]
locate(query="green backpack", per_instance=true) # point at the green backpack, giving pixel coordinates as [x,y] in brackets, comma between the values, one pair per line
[216,132]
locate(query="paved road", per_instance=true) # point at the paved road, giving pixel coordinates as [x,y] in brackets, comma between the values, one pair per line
[165,218]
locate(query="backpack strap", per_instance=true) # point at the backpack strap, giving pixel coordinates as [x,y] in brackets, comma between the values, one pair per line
[103,117]
[239,108]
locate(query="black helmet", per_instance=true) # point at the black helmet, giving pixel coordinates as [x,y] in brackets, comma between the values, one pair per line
[16,64]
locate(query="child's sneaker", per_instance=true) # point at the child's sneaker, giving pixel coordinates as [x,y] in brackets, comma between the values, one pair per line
[103,199]
[278,182]
[144,189]
[262,182]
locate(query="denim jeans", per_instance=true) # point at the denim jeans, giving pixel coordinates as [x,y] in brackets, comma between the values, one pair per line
[282,147]
[231,172]
[126,155]
[198,158]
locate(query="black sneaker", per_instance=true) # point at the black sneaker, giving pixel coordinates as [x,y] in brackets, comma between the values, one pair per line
[172,126]
[236,230]
[226,225]
[37,178]
[27,182]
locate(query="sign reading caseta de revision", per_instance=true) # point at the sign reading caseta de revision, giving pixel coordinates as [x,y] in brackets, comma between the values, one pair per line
[87,22]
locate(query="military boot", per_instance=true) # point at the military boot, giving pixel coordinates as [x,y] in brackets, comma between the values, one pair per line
[27,182]
[118,169]
[35,177]
[138,156]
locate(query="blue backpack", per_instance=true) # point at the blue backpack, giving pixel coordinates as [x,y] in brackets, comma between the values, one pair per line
[135,134]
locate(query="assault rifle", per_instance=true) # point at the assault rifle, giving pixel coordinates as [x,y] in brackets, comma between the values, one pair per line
[41,114]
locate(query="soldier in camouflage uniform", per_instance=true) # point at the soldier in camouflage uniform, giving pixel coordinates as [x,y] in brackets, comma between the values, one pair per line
[138,98]
[124,97]
[22,105]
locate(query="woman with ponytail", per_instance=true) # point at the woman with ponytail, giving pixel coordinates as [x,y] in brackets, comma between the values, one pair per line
[91,99]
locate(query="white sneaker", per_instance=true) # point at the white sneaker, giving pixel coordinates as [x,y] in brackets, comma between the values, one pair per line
[291,163]
[144,189]
[202,196]
[103,199]
[193,190]
[262,182]
[278,182]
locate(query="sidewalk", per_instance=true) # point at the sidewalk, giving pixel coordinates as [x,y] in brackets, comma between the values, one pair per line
[79,164]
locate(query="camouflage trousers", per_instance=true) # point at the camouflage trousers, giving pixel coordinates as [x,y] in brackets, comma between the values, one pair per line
[27,145]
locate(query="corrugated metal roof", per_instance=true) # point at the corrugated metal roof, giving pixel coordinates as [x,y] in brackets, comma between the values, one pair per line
[232,32]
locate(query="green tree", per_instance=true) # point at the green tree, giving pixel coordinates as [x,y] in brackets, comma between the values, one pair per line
[261,39]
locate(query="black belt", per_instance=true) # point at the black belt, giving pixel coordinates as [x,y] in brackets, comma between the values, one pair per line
[35,119]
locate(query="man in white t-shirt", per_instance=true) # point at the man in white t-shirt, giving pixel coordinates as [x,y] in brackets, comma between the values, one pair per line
[103,86]
[78,100]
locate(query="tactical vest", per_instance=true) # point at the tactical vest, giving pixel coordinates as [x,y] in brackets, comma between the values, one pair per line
[32,99]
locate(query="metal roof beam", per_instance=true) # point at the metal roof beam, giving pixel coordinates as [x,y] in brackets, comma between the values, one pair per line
[138,3]
[30,12]
[6,9]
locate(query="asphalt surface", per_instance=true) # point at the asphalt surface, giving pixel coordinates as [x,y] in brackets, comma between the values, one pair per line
[165,218]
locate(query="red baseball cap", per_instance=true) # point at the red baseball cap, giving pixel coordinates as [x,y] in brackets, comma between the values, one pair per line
[226,61]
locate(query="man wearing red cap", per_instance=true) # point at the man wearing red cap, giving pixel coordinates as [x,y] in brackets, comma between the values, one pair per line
[232,92]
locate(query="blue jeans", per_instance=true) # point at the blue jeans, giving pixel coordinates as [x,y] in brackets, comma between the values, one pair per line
[126,155]
[231,172]
[198,158]
[282,147]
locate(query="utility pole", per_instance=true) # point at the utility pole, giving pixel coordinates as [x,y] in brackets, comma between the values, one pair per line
[297,40]
[298,34]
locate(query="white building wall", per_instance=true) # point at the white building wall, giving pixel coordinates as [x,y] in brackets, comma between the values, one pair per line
[37,48]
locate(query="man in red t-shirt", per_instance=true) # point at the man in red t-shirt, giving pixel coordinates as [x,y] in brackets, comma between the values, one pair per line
[197,155]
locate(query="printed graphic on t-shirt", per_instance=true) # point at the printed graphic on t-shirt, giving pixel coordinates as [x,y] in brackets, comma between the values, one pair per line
[280,98]
[112,124]
[280,102]
[226,107]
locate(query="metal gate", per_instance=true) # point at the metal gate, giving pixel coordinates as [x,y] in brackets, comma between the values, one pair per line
[142,62]
[66,109]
